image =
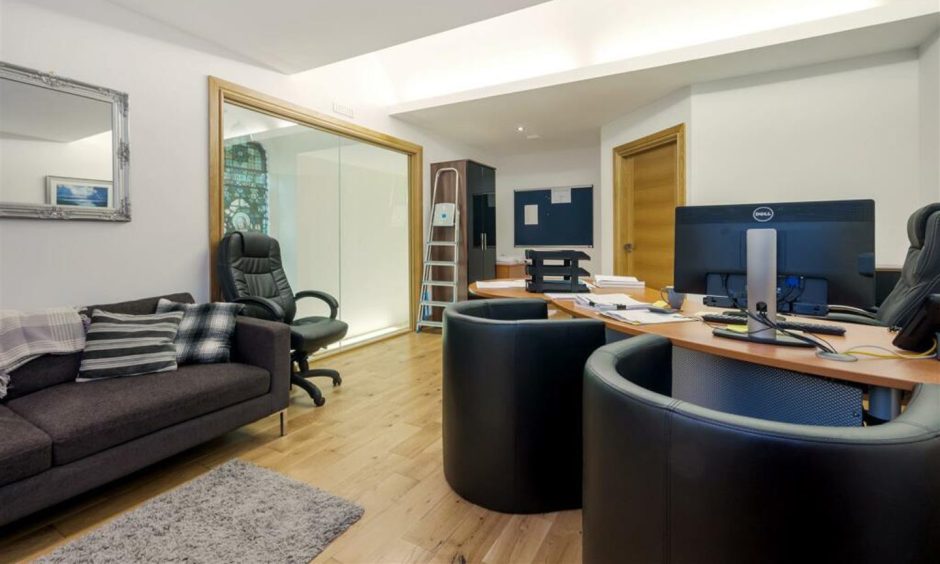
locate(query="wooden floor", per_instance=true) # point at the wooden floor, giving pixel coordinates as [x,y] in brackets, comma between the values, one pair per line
[377,441]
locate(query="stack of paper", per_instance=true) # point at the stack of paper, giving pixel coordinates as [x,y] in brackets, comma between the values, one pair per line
[604,302]
[608,281]
[640,317]
[567,295]
[502,283]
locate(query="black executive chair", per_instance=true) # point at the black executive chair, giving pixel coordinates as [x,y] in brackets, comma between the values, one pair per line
[920,275]
[251,273]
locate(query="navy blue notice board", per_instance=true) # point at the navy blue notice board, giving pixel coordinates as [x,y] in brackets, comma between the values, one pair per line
[554,224]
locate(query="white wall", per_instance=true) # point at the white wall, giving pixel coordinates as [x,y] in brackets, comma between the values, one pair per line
[671,110]
[848,129]
[548,169]
[840,130]
[164,248]
[929,81]
[25,163]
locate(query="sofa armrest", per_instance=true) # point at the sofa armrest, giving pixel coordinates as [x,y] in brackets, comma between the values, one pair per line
[266,344]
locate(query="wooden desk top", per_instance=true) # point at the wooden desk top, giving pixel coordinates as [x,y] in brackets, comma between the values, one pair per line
[695,335]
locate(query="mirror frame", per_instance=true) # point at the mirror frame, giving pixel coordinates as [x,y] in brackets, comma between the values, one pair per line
[119,142]
[222,92]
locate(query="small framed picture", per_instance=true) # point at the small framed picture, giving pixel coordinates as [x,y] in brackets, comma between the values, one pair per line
[80,192]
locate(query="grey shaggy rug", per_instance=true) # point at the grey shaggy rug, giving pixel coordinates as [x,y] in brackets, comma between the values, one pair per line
[237,512]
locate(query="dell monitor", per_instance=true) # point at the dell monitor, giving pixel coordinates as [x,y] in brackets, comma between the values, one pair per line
[825,252]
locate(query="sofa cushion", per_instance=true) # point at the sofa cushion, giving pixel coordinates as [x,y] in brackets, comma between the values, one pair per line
[47,370]
[142,306]
[51,370]
[205,333]
[86,418]
[120,344]
[24,449]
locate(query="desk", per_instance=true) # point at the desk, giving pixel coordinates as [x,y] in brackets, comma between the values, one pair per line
[889,377]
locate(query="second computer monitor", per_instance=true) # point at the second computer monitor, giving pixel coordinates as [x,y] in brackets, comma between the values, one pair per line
[825,250]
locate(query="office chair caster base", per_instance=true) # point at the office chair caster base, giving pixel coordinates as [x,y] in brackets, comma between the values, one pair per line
[325,372]
[304,370]
[312,390]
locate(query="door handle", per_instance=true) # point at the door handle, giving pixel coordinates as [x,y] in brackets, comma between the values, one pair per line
[628,247]
[484,241]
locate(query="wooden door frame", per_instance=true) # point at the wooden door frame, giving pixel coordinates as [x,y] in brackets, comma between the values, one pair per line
[222,92]
[623,194]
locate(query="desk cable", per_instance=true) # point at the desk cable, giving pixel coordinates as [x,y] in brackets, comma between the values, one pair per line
[826,347]
[888,354]
[818,342]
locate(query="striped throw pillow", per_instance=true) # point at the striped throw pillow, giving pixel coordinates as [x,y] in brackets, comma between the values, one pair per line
[127,345]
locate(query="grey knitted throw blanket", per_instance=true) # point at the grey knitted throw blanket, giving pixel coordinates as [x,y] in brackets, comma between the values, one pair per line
[28,335]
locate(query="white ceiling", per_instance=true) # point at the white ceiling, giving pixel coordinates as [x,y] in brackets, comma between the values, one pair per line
[240,122]
[297,35]
[33,112]
[570,114]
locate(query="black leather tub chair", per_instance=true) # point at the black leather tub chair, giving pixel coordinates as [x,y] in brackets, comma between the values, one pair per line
[667,481]
[512,404]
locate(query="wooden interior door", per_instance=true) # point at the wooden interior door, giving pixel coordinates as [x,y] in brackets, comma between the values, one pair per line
[649,182]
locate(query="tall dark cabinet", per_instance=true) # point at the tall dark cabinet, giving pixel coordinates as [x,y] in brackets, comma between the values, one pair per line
[477,204]
[481,222]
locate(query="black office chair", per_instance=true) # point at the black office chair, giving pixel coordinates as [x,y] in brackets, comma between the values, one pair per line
[250,272]
[920,276]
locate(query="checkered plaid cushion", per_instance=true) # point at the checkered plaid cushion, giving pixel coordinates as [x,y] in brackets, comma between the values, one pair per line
[205,333]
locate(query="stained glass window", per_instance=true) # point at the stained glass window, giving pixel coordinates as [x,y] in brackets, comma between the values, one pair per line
[245,197]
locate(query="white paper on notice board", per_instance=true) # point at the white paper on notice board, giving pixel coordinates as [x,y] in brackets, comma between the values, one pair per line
[561,195]
[531,212]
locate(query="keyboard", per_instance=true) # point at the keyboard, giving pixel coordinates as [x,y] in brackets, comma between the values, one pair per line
[789,325]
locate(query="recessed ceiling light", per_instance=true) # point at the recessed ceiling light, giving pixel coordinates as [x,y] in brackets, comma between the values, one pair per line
[520,129]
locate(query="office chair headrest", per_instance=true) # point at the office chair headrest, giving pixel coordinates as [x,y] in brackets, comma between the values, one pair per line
[255,245]
[917,224]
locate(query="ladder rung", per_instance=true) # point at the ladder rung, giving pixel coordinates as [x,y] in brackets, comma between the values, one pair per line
[431,323]
[435,303]
[441,244]
[439,283]
[440,263]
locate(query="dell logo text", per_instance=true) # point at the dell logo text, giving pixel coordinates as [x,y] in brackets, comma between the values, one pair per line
[763,214]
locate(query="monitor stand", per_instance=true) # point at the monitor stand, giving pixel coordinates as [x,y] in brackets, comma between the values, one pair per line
[780,339]
[762,293]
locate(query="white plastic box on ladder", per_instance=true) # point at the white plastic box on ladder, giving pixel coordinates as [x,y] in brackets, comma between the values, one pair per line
[443,215]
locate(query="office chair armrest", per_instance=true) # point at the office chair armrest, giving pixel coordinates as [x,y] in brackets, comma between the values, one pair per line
[853,318]
[852,311]
[330,300]
[271,310]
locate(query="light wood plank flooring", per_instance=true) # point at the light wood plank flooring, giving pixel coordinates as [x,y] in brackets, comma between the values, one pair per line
[377,441]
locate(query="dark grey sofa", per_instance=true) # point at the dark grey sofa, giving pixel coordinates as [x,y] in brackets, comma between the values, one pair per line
[59,438]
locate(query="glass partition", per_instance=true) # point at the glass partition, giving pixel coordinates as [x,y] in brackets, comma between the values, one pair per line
[373,239]
[337,206]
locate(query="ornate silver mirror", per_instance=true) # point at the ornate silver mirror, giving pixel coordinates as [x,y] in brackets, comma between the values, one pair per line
[64,150]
